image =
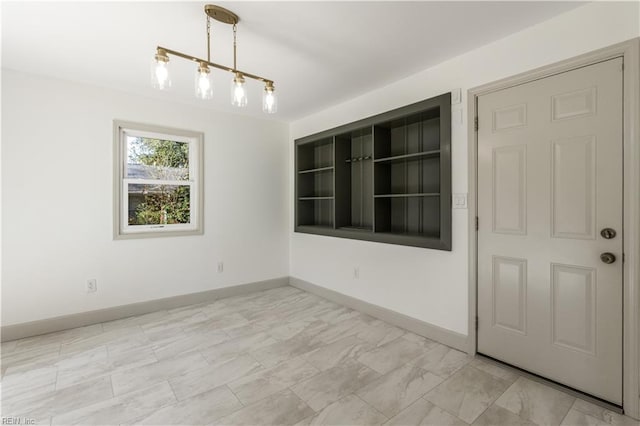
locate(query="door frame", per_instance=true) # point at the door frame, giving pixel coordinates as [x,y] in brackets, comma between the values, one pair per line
[630,52]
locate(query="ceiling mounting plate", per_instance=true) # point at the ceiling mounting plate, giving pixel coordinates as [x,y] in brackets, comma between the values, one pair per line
[221,14]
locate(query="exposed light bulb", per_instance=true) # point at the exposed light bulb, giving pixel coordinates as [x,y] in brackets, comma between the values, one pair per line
[162,75]
[160,78]
[269,99]
[204,88]
[238,91]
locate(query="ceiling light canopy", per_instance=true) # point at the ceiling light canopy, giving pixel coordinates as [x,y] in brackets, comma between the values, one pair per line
[161,79]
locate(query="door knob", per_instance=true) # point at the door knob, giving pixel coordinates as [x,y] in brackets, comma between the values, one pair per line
[608,233]
[608,258]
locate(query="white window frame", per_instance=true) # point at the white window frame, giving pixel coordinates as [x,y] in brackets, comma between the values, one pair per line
[122,229]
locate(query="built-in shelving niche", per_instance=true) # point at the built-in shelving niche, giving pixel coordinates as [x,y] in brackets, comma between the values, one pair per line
[315,183]
[354,175]
[386,178]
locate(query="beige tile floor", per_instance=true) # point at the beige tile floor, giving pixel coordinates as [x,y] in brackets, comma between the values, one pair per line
[281,356]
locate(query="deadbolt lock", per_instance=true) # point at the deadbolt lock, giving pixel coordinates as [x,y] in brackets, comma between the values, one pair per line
[608,258]
[608,233]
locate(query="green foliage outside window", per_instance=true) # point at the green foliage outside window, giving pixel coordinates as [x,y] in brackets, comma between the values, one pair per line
[165,160]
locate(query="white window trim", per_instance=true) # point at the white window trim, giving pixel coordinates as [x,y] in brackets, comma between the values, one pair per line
[121,228]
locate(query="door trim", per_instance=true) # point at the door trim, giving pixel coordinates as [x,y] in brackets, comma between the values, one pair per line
[630,52]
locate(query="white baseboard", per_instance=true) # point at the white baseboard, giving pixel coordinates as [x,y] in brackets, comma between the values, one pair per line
[430,331]
[65,322]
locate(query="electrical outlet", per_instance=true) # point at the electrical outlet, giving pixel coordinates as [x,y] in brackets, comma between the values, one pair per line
[356,273]
[220,267]
[92,285]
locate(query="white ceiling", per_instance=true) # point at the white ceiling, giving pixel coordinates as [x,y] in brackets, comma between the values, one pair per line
[318,53]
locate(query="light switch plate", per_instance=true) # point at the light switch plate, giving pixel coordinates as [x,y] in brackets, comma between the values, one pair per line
[456,96]
[459,201]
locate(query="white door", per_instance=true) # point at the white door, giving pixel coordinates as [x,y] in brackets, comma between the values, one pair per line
[549,182]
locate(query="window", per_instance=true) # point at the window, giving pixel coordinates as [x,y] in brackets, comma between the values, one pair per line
[158,181]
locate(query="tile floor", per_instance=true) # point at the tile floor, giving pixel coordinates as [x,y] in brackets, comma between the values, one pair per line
[276,357]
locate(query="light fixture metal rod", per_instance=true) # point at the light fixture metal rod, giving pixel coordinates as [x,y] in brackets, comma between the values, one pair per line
[235,30]
[208,38]
[213,64]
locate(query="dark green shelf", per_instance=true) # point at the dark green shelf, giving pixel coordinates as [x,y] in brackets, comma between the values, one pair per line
[321,169]
[424,194]
[356,229]
[414,156]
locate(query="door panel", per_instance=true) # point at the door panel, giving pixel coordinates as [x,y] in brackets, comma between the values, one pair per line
[510,190]
[549,179]
[573,188]
[510,293]
[573,307]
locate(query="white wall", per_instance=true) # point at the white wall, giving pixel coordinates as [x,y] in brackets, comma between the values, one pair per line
[57,193]
[432,285]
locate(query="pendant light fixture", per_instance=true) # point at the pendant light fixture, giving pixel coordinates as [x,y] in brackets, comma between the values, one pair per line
[238,91]
[269,99]
[204,87]
[161,79]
